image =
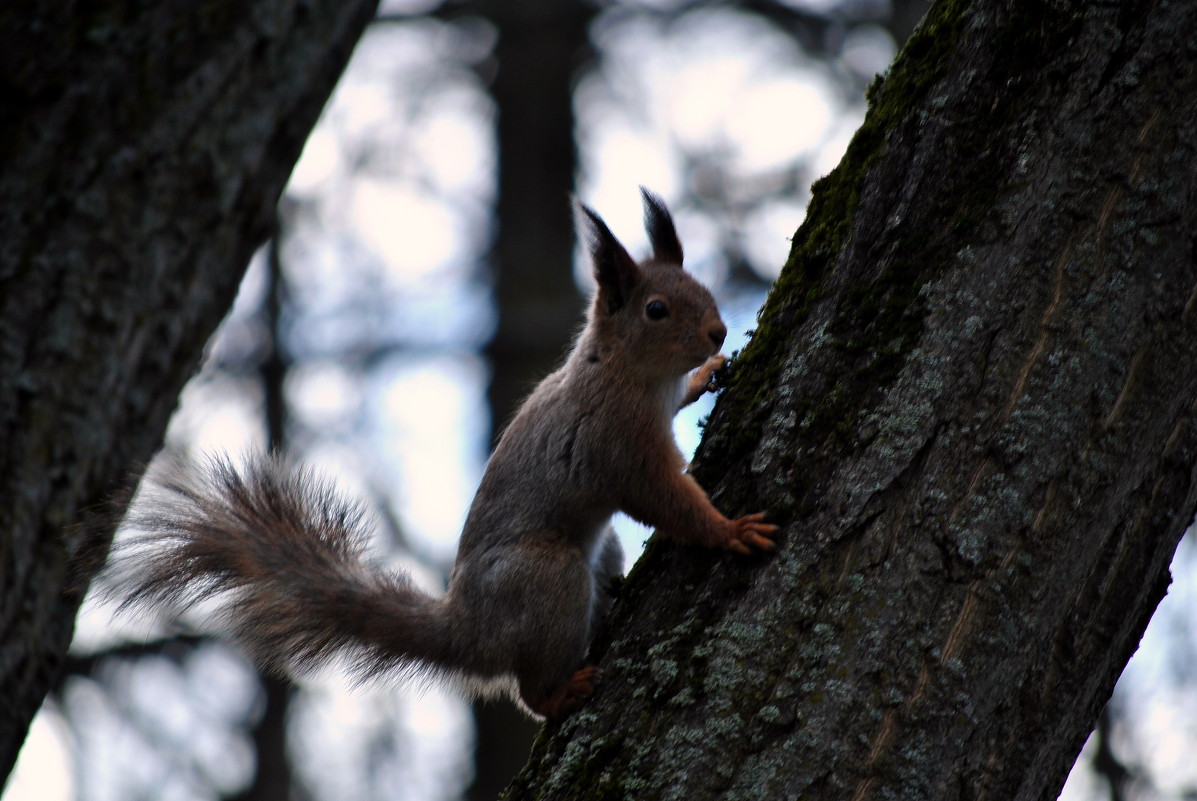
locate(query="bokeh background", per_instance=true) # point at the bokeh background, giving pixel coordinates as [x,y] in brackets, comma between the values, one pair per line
[422,276]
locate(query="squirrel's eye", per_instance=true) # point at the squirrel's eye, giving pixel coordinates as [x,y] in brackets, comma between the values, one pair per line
[656,310]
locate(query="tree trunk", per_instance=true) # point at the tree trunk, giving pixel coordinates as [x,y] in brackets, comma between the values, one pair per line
[540,46]
[972,404]
[145,146]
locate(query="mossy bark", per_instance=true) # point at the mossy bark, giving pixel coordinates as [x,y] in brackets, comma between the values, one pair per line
[971,402]
[144,148]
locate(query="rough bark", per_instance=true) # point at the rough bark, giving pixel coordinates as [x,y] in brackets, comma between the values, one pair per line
[145,146]
[972,403]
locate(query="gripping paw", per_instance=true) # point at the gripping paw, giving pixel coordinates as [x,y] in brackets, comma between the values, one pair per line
[569,697]
[705,375]
[713,365]
[751,535]
[702,380]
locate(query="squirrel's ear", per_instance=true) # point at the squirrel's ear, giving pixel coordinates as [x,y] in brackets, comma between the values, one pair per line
[661,233]
[614,270]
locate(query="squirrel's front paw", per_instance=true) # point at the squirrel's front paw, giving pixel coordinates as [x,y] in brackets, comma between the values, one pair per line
[715,363]
[708,370]
[702,380]
[750,534]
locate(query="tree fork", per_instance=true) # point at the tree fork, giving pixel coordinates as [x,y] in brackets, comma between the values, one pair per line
[972,403]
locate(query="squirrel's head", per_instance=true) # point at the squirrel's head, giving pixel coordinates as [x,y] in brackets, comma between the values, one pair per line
[652,315]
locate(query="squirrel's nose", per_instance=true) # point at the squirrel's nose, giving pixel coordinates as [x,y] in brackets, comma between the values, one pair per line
[717,333]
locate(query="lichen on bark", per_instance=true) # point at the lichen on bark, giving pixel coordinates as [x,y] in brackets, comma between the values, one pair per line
[970,402]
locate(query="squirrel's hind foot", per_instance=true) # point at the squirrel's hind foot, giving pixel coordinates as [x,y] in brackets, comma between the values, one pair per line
[569,697]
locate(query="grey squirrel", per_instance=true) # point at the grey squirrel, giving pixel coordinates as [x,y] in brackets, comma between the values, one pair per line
[537,553]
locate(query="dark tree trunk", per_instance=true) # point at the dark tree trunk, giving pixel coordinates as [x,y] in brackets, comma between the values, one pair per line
[273,779]
[541,43]
[144,147]
[972,404]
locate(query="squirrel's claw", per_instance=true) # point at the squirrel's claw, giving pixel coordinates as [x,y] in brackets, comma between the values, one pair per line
[752,535]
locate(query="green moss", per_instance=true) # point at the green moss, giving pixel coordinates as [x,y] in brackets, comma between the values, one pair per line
[873,326]
[881,319]
[583,771]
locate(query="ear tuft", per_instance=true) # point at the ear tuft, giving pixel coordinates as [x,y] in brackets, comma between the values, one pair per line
[614,270]
[661,233]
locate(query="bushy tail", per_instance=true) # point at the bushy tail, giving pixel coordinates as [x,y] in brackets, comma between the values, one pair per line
[283,553]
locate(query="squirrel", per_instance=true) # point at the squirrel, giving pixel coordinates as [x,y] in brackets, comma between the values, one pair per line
[537,554]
